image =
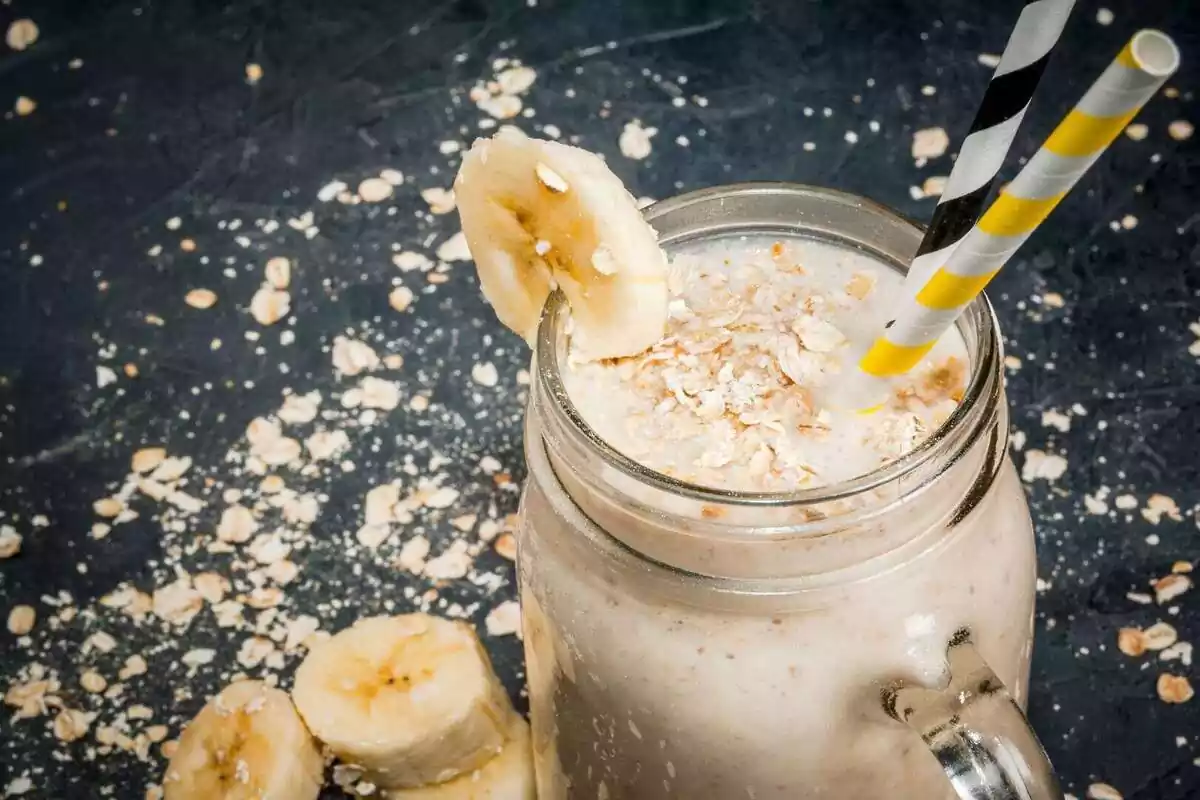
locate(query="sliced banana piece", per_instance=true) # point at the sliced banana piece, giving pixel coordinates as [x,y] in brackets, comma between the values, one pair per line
[540,214]
[247,743]
[508,776]
[412,699]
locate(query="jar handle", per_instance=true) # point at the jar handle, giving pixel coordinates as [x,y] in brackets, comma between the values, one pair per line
[976,730]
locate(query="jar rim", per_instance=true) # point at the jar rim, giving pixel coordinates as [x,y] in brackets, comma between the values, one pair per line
[979,404]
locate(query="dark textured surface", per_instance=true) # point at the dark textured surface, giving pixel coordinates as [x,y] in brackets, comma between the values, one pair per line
[158,122]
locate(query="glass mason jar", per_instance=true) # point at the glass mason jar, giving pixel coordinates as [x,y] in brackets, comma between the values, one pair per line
[693,643]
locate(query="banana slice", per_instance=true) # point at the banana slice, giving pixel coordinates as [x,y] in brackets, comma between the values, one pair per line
[540,214]
[247,743]
[508,776]
[412,700]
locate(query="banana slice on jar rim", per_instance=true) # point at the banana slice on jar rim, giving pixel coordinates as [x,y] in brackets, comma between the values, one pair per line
[539,215]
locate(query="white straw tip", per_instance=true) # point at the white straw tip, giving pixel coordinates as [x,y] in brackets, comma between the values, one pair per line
[1155,53]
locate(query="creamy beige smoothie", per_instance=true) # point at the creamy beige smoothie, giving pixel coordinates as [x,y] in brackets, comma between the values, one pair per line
[699,644]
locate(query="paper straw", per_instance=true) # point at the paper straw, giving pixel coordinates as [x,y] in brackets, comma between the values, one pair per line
[1142,67]
[991,134]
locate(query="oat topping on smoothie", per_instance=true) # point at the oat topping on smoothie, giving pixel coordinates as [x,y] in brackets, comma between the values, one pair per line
[731,395]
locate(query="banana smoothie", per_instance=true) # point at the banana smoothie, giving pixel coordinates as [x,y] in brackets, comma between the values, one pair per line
[720,567]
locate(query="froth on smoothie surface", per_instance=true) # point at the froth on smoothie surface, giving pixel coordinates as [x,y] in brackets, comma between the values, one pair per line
[730,397]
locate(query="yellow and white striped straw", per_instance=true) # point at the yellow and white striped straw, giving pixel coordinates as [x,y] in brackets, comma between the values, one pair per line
[1142,67]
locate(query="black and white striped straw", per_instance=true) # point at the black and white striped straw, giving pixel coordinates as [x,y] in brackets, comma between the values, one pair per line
[996,122]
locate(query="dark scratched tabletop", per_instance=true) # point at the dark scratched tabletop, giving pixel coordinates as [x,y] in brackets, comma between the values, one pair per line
[148,159]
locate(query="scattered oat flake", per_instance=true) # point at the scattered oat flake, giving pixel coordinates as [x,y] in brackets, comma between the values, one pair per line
[269,305]
[147,459]
[1180,130]
[485,374]
[1174,689]
[201,298]
[504,619]
[516,80]
[254,73]
[18,786]
[1170,587]
[408,261]
[21,34]
[351,356]
[380,394]
[930,143]
[989,59]
[21,620]
[1053,418]
[71,724]
[453,564]
[635,140]
[278,272]
[454,249]
[1044,466]
[400,298]
[1137,131]
[374,190]
[108,507]
[324,445]
[506,546]
[237,524]
[10,541]
[440,201]
[1131,641]
[501,106]
[24,106]
[1160,505]
[413,554]
[1102,791]
[93,682]
[331,190]
[934,186]
[298,409]
[372,536]
[1160,636]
